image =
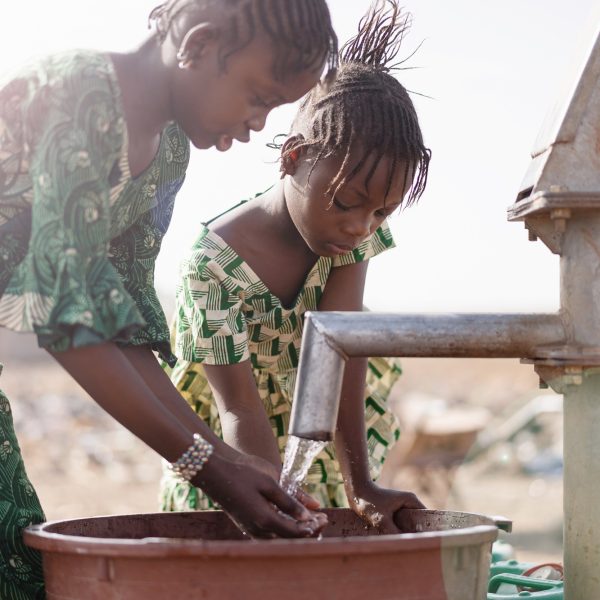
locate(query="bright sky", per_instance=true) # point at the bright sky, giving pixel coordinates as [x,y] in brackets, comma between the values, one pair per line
[492,69]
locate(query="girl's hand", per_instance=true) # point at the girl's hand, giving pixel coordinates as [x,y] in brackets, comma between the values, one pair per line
[255,501]
[271,470]
[256,462]
[377,506]
[307,500]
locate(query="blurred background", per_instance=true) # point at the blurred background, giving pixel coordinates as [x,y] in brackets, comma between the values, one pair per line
[482,77]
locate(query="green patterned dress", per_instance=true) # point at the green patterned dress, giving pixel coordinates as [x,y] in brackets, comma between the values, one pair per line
[78,242]
[225,315]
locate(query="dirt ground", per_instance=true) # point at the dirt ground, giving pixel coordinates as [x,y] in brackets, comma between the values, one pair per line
[518,477]
[83,463]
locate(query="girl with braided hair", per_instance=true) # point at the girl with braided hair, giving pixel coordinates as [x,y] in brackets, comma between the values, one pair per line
[355,154]
[93,149]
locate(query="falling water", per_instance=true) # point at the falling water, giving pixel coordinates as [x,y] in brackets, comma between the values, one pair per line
[299,456]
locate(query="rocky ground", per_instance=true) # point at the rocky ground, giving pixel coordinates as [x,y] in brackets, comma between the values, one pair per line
[83,463]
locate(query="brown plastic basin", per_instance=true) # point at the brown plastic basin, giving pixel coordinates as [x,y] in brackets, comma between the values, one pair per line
[442,556]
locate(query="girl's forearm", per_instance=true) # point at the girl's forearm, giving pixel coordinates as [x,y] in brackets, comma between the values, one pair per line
[145,363]
[243,430]
[250,433]
[108,376]
[351,437]
[243,416]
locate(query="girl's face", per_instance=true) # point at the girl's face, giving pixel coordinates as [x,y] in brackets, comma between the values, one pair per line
[216,106]
[334,226]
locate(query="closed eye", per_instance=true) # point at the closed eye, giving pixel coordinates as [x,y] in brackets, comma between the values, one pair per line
[341,206]
[258,101]
[387,211]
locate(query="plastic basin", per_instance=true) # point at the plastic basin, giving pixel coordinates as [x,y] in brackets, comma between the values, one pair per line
[442,556]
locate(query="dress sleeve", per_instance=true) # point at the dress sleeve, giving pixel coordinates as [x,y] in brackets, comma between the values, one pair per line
[134,255]
[68,289]
[380,241]
[210,326]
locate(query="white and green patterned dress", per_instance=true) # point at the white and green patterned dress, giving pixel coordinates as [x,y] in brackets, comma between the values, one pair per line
[78,242]
[225,315]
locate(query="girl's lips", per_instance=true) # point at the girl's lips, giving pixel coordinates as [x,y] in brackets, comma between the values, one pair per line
[224,143]
[339,249]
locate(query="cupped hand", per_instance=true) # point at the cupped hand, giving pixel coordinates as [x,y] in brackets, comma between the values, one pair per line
[307,500]
[254,500]
[275,472]
[377,506]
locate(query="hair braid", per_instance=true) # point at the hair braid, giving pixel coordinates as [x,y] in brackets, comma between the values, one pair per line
[300,30]
[365,109]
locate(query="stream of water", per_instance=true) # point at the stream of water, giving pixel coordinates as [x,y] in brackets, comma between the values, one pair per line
[299,456]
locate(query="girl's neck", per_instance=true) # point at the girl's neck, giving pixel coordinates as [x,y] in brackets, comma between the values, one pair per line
[144,83]
[280,222]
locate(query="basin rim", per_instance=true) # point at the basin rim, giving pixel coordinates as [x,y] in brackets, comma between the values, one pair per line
[40,538]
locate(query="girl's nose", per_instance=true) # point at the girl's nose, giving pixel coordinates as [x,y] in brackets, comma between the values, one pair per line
[359,227]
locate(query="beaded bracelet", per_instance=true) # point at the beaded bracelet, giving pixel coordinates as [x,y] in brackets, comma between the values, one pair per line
[191,462]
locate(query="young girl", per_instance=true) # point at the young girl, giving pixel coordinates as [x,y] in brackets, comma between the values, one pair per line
[355,155]
[93,148]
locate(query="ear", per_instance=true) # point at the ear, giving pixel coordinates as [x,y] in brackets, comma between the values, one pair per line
[195,44]
[289,162]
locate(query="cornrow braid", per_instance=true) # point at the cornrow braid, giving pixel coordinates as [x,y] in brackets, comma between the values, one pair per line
[365,109]
[300,30]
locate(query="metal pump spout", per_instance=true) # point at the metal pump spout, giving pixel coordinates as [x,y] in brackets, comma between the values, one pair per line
[315,405]
[330,338]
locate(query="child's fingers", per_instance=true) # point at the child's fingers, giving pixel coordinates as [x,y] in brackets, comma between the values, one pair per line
[285,503]
[267,523]
[302,521]
[307,500]
[411,501]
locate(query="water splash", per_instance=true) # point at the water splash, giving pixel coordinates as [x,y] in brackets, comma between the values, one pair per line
[299,456]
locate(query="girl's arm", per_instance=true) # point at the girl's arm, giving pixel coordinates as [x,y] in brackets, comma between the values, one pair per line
[104,371]
[144,362]
[243,417]
[118,380]
[344,291]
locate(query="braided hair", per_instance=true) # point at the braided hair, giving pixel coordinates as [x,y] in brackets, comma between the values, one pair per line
[365,109]
[300,30]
